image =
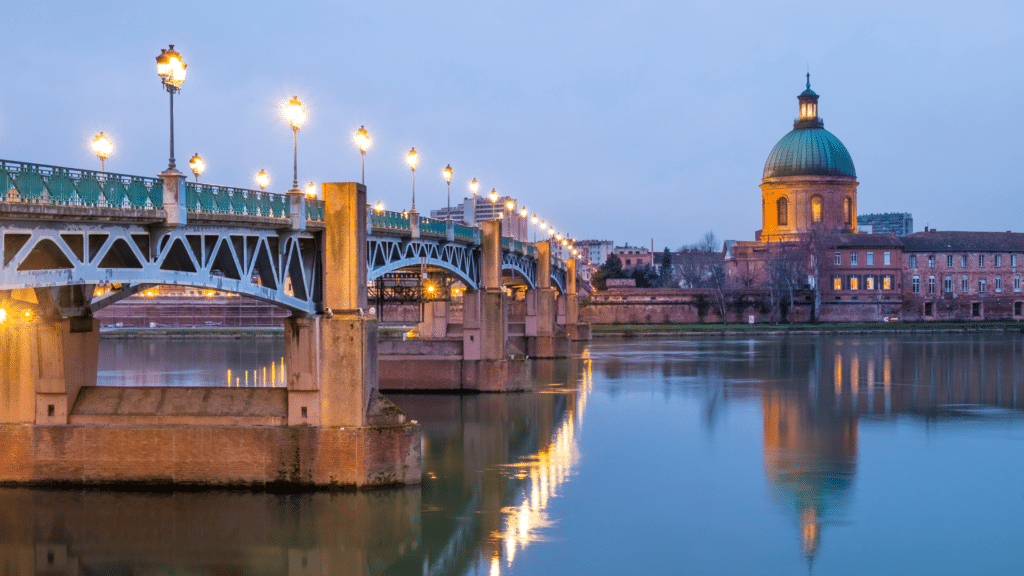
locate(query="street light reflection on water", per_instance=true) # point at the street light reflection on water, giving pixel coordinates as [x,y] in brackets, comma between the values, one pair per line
[698,455]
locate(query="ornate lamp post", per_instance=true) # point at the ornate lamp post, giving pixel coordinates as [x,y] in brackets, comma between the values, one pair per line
[448,178]
[262,180]
[474,187]
[362,140]
[525,223]
[197,165]
[510,206]
[412,159]
[171,69]
[378,207]
[102,146]
[311,191]
[534,220]
[295,114]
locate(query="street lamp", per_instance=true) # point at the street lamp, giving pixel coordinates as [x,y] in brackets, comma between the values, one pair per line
[295,114]
[311,191]
[263,180]
[412,159]
[534,221]
[197,165]
[474,187]
[171,70]
[448,179]
[378,207]
[102,146]
[362,140]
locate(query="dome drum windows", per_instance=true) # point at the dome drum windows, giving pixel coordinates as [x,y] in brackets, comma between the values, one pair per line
[848,211]
[816,204]
[783,211]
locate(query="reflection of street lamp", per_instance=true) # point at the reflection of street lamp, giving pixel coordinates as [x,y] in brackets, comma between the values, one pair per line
[295,114]
[197,165]
[412,159]
[363,141]
[102,146]
[262,180]
[448,179]
[171,69]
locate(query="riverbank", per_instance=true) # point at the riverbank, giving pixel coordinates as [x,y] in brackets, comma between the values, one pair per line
[183,333]
[628,330]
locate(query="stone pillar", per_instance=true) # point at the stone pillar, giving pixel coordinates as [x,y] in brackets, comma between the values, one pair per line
[43,365]
[435,320]
[297,209]
[543,345]
[414,224]
[332,358]
[174,197]
[484,327]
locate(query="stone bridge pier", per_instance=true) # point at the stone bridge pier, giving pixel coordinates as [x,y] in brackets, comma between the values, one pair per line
[329,428]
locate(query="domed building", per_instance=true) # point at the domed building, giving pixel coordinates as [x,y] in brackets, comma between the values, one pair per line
[808,179]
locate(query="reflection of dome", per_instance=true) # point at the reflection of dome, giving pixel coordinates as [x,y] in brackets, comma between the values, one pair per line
[809,152]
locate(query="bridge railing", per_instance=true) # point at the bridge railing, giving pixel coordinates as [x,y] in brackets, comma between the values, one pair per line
[389,221]
[55,185]
[433,227]
[213,199]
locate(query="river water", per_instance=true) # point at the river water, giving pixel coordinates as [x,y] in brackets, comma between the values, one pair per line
[860,454]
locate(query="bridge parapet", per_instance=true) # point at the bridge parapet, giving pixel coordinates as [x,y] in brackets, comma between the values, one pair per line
[59,186]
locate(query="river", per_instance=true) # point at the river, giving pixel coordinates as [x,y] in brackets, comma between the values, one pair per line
[860,454]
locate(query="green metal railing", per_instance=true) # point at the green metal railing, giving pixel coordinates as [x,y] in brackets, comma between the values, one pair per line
[210,199]
[54,185]
[315,210]
[432,226]
[389,221]
[464,232]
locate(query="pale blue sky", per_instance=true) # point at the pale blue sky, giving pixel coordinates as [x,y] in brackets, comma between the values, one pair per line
[628,121]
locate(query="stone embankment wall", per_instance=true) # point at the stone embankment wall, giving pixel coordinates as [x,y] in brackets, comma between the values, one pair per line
[678,306]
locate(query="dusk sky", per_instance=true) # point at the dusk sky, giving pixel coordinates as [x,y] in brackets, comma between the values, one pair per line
[626,121]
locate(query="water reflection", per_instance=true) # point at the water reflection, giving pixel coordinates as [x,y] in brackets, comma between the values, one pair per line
[200,361]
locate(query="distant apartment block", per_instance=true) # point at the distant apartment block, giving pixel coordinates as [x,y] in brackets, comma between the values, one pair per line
[634,256]
[512,224]
[595,251]
[896,223]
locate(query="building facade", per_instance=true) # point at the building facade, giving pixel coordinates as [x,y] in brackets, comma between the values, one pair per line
[633,256]
[896,223]
[477,209]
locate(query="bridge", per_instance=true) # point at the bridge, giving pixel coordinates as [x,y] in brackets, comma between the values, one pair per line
[74,241]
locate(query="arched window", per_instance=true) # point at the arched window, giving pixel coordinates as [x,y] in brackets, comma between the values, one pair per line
[783,207]
[848,210]
[816,209]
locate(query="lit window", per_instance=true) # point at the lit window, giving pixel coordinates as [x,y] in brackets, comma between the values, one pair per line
[837,283]
[885,259]
[848,210]
[886,282]
[948,283]
[816,209]
[964,286]
[916,285]
[931,284]
[853,282]
[853,258]
[870,260]
[913,261]
[931,261]
[869,283]
[999,283]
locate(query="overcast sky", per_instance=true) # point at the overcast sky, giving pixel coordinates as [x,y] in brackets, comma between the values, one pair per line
[629,121]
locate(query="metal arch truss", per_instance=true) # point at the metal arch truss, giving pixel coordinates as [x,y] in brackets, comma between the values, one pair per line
[522,265]
[389,254]
[278,266]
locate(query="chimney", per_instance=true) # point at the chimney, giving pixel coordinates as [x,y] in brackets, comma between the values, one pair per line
[925,228]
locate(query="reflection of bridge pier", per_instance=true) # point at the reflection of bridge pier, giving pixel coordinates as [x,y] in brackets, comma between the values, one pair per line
[330,427]
[480,353]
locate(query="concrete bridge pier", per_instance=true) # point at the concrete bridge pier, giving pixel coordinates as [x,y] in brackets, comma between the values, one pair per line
[543,338]
[488,364]
[569,307]
[43,365]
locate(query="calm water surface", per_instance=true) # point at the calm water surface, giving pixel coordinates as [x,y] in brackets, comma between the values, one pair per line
[873,454]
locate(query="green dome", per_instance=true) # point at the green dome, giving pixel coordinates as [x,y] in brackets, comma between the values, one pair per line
[809,151]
